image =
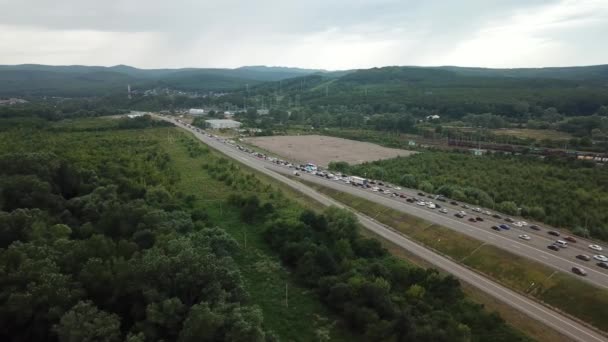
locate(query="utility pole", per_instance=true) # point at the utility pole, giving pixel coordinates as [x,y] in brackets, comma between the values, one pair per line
[286,296]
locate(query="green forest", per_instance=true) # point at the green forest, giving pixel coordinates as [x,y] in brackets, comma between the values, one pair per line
[129,230]
[566,194]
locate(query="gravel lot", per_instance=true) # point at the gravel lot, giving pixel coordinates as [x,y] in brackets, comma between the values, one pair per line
[321,150]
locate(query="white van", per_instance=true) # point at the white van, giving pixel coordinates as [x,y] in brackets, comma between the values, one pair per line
[561,243]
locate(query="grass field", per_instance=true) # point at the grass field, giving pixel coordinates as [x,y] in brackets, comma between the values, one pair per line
[265,278]
[538,134]
[559,290]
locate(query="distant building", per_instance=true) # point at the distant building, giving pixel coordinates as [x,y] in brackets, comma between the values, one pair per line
[263,111]
[134,114]
[222,124]
[196,111]
[12,101]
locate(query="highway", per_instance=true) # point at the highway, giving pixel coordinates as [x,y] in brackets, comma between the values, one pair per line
[533,309]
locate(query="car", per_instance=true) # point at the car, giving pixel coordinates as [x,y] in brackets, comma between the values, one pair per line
[463,213]
[553,232]
[534,227]
[524,237]
[496,228]
[443,211]
[579,271]
[402,195]
[479,219]
[487,213]
[505,226]
[553,248]
[570,239]
[459,215]
[442,199]
[466,206]
[395,194]
[397,188]
[600,257]
[431,205]
[421,203]
[477,210]
[421,194]
[510,220]
[602,265]
[497,216]
[596,248]
[583,257]
[437,205]
[454,203]
[411,200]
[472,219]
[380,183]
[518,224]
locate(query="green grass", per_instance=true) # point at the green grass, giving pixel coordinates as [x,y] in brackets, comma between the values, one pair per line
[562,291]
[264,276]
[538,134]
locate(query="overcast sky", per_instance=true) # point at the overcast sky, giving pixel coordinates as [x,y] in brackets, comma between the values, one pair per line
[327,34]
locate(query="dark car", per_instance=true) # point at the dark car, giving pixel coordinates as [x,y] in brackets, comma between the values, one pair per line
[583,257]
[496,228]
[421,194]
[380,183]
[372,182]
[472,219]
[505,226]
[603,264]
[459,215]
[570,239]
[454,203]
[479,219]
[534,227]
[553,232]
[579,271]
[402,195]
[553,248]
[497,216]
[442,199]
[411,200]
[437,206]
[510,220]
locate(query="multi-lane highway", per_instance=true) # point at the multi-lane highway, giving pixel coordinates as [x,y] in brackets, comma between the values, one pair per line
[563,324]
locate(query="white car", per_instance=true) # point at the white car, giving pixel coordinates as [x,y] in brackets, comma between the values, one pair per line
[523,223]
[596,247]
[397,188]
[477,210]
[420,203]
[463,213]
[488,213]
[518,224]
[600,258]
[443,211]
[375,189]
[431,205]
[524,237]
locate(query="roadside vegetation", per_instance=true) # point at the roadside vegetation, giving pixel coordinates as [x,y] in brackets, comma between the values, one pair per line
[137,232]
[564,194]
[561,291]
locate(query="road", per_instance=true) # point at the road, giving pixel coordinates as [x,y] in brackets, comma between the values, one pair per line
[533,309]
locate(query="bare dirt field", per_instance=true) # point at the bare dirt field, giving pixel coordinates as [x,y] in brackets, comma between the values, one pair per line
[321,150]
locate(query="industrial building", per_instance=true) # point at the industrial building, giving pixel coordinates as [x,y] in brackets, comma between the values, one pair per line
[222,124]
[196,111]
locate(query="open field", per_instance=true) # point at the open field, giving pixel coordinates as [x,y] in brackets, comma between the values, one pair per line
[559,290]
[538,134]
[323,149]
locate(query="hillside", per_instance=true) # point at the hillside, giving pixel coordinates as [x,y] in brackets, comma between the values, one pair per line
[78,80]
[452,91]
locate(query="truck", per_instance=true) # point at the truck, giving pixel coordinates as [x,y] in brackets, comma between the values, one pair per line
[358,180]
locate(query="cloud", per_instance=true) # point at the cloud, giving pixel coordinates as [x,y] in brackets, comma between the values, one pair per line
[336,34]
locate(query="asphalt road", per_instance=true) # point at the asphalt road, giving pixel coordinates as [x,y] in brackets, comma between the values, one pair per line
[533,309]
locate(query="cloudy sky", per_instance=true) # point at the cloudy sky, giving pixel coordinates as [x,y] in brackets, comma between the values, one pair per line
[328,34]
